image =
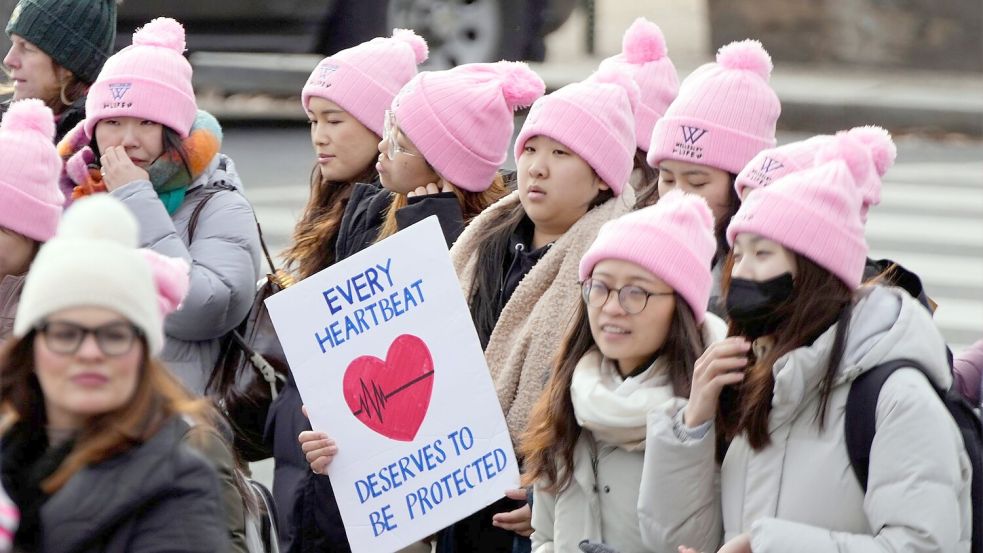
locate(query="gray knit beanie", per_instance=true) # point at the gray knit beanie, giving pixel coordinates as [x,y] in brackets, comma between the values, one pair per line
[77,34]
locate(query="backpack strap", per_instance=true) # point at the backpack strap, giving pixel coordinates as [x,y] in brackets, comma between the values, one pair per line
[860,419]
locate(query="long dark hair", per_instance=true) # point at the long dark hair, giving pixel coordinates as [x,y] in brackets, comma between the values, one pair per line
[818,300]
[316,233]
[648,192]
[489,275]
[548,444]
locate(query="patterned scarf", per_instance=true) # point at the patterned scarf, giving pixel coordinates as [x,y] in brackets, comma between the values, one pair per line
[168,174]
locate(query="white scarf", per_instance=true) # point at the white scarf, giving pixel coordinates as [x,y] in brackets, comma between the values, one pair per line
[614,409]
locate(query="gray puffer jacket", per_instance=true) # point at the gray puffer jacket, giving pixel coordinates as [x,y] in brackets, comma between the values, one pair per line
[800,493]
[224,258]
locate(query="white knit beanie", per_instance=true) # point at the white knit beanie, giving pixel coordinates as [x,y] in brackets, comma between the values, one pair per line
[93,261]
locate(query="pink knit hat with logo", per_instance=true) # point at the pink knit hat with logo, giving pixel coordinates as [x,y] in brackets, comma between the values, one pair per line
[30,200]
[364,79]
[150,79]
[673,239]
[774,163]
[814,212]
[644,56]
[725,113]
[461,119]
[595,119]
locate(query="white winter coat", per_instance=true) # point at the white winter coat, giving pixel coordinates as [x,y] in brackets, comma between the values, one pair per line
[800,493]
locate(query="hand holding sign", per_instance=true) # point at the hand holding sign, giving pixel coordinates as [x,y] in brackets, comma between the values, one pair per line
[388,363]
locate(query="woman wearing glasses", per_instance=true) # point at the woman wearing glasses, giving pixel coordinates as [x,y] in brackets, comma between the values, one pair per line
[93,425]
[635,337]
[445,139]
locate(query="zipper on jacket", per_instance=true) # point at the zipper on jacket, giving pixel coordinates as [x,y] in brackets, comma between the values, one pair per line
[519,248]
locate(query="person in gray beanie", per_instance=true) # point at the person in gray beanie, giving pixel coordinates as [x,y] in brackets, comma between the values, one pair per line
[57,51]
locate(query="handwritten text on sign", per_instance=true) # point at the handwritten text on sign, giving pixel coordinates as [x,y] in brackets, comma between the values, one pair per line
[388,363]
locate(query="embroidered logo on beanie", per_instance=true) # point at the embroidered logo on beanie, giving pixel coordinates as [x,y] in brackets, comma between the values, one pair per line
[324,73]
[688,147]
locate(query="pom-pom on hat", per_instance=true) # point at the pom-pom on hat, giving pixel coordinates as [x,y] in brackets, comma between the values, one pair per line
[645,57]
[673,239]
[774,163]
[30,199]
[595,119]
[364,79]
[462,119]
[93,261]
[149,79]
[725,113]
[815,213]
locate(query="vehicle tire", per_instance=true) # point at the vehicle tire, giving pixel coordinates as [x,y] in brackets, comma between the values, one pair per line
[468,31]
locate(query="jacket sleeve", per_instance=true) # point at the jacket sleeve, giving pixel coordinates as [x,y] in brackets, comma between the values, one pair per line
[444,205]
[224,258]
[679,498]
[186,520]
[543,518]
[917,498]
[968,371]
[216,450]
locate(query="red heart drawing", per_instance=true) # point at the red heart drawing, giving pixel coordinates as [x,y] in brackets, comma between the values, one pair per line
[391,397]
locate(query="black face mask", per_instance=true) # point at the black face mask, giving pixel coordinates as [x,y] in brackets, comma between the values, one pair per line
[753,306]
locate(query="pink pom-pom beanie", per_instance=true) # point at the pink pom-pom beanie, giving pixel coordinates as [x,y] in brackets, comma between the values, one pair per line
[645,57]
[461,119]
[93,261]
[725,113]
[364,79]
[30,200]
[150,79]
[595,119]
[673,239]
[815,213]
[774,163]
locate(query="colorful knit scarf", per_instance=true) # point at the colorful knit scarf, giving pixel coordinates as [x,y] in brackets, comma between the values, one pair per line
[168,174]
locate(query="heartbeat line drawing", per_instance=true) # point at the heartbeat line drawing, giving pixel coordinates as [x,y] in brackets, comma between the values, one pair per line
[391,397]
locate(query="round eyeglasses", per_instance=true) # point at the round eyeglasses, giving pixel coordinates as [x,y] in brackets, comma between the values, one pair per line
[113,339]
[633,299]
[389,131]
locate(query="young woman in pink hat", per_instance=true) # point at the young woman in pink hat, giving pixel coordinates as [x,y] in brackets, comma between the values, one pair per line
[770,401]
[445,138]
[725,113]
[30,201]
[145,142]
[346,98]
[630,349]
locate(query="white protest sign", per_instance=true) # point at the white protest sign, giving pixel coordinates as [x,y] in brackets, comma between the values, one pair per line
[389,365]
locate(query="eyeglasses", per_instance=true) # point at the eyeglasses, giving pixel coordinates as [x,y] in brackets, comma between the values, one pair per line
[64,338]
[389,131]
[632,298]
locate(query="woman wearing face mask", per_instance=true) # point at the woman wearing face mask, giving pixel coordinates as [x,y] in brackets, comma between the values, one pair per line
[57,50]
[30,201]
[94,426]
[146,143]
[803,330]
[346,98]
[644,56]
[631,349]
[445,138]
[774,163]
[725,114]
